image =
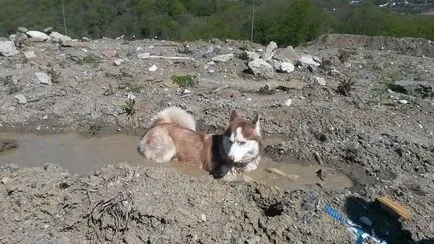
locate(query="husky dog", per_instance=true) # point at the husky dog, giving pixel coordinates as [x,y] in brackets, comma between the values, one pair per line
[173,135]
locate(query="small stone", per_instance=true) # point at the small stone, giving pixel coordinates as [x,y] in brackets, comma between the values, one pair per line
[403,101]
[186,91]
[365,221]
[203,217]
[34,184]
[307,59]
[153,68]
[269,51]
[260,67]
[251,55]
[8,49]
[5,180]
[287,67]
[21,98]
[48,30]
[320,80]
[38,128]
[43,78]
[45,117]
[143,55]
[287,54]
[38,34]
[288,102]
[118,61]
[59,37]
[22,29]
[29,54]
[223,58]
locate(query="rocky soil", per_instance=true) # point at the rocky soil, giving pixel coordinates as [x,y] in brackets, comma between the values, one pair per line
[361,105]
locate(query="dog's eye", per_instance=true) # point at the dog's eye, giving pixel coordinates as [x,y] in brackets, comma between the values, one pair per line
[242,143]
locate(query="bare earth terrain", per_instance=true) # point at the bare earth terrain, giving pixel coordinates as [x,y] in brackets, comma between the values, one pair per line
[378,133]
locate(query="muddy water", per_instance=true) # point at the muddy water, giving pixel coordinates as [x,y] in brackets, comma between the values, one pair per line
[80,154]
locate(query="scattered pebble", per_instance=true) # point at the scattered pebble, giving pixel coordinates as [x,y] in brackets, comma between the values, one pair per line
[203,217]
[153,68]
[288,102]
[21,98]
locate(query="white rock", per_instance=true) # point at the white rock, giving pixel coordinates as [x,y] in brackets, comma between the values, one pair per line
[38,128]
[203,217]
[261,67]
[12,37]
[131,96]
[287,54]
[288,102]
[186,91]
[22,29]
[21,98]
[403,101]
[29,54]
[118,61]
[320,80]
[38,34]
[143,55]
[287,67]
[43,78]
[60,37]
[139,49]
[7,48]
[223,58]
[251,55]
[307,59]
[269,51]
[153,68]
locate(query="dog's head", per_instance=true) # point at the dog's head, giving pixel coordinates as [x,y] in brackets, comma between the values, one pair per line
[242,140]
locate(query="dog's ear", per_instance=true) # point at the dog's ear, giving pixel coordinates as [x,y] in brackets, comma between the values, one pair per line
[257,124]
[234,115]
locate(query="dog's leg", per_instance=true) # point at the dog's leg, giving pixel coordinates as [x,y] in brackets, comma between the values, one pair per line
[159,148]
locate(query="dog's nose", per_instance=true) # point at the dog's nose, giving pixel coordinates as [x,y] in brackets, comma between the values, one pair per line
[231,158]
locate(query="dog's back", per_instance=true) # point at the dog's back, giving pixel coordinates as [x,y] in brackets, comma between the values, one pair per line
[174,115]
[171,131]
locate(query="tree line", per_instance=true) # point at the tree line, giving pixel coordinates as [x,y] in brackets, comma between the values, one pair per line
[287,22]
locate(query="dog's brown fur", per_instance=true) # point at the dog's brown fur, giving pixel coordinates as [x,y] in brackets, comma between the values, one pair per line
[173,135]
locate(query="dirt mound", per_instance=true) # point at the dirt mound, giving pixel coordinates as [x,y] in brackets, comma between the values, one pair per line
[121,204]
[405,45]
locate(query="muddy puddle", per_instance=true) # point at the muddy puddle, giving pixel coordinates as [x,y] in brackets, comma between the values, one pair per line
[80,154]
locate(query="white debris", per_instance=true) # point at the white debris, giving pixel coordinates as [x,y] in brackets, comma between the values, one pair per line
[38,34]
[307,59]
[43,78]
[287,67]
[7,48]
[153,68]
[119,61]
[21,98]
[320,80]
[288,102]
[223,58]
[143,55]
